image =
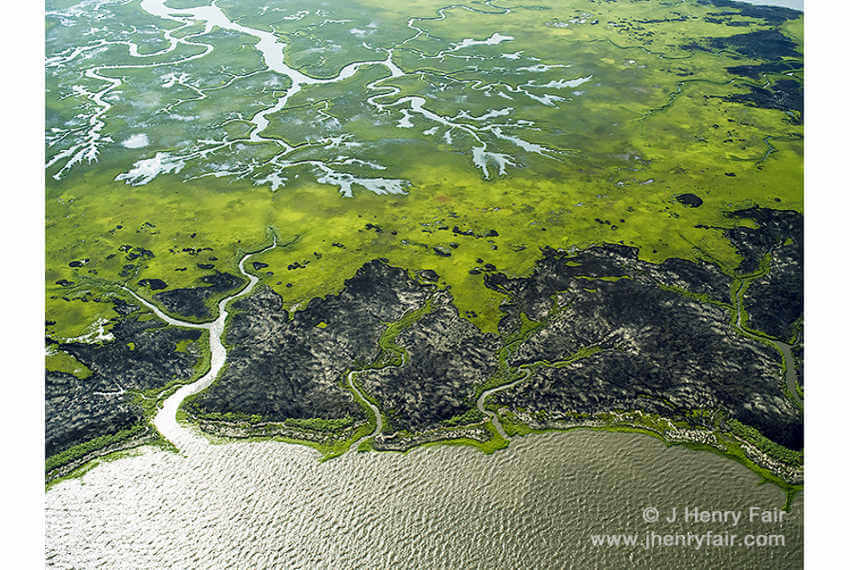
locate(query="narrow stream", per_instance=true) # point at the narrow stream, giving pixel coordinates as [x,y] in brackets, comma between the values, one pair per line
[184,438]
[494,417]
[272,50]
[379,419]
[166,419]
[784,348]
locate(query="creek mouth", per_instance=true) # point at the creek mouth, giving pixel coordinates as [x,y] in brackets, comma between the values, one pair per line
[269,504]
[585,335]
[166,418]
[493,417]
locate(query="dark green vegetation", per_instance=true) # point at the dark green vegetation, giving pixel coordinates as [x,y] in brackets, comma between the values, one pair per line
[607,339]
[663,341]
[283,365]
[129,371]
[591,202]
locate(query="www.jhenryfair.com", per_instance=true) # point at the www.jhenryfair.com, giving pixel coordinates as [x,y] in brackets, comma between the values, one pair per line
[698,518]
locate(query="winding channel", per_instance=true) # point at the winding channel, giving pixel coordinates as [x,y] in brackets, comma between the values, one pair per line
[493,416]
[166,418]
[272,50]
[379,419]
[784,348]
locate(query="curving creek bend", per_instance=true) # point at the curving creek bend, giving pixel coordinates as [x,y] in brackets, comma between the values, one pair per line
[166,419]
[783,347]
[535,504]
[273,504]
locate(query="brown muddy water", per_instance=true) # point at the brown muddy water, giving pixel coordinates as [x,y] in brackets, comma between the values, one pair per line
[536,504]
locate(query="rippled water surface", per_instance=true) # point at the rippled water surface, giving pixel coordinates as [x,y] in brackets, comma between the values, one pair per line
[535,505]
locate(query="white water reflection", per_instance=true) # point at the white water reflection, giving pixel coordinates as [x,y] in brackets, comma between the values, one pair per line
[795,4]
[253,505]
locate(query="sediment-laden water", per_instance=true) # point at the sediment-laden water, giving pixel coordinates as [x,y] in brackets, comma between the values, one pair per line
[536,504]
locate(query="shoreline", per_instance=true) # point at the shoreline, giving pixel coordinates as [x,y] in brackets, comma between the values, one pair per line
[167,426]
[783,476]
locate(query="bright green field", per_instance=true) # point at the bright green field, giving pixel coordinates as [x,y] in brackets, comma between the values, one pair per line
[652,122]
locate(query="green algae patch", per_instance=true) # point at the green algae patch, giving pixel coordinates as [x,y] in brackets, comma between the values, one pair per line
[663,96]
[727,443]
[394,354]
[86,449]
[471,416]
[318,424]
[561,125]
[61,361]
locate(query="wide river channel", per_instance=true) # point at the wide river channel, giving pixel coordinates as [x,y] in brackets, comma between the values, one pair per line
[542,503]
